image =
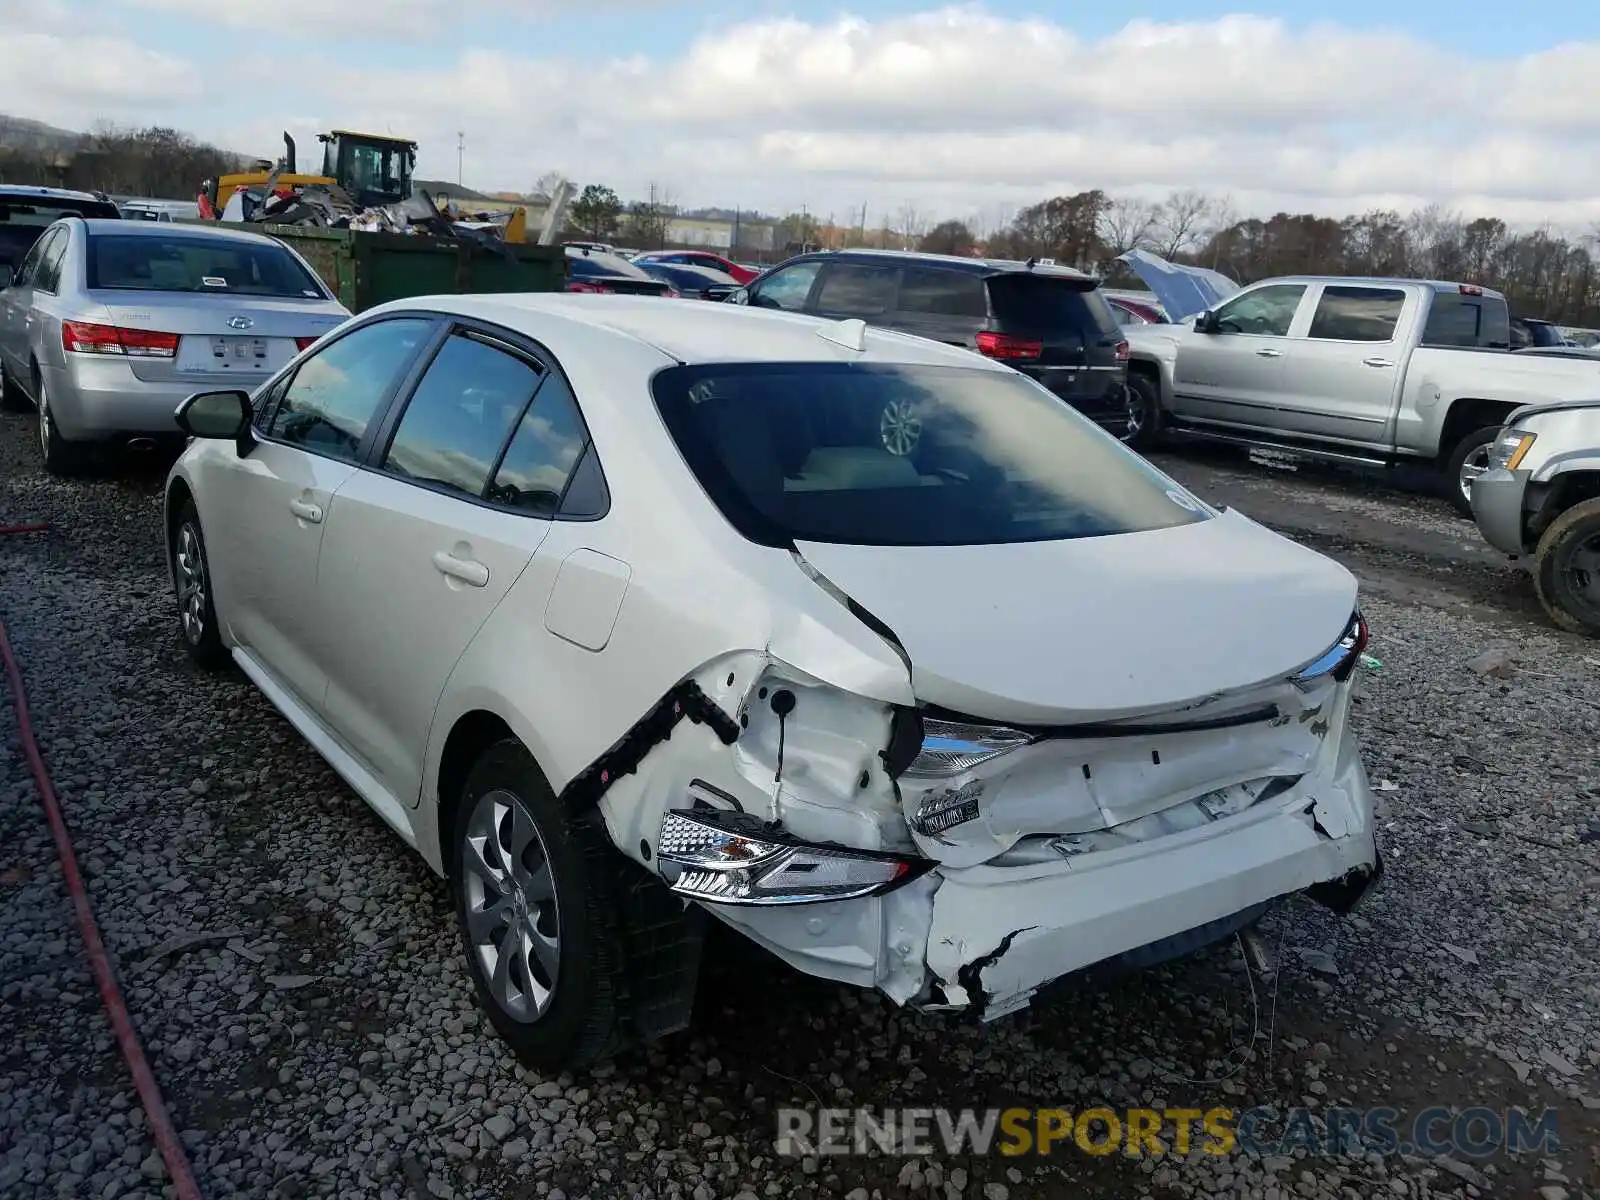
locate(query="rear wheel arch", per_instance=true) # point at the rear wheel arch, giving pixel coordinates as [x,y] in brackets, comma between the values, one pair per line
[1467,415]
[472,736]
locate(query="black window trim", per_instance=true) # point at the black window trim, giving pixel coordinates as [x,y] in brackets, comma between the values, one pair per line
[424,349]
[509,342]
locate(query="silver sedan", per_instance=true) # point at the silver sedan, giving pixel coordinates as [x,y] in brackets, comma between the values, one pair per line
[107,326]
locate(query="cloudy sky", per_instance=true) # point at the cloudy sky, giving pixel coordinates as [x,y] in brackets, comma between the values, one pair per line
[958,111]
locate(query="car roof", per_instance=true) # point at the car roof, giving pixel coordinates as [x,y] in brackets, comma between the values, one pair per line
[14,191]
[695,331]
[973,266]
[1437,285]
[169,229]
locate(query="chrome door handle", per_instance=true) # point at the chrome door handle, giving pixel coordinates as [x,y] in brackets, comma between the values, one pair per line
[1377,362]
[473,574]
[306,511]
[1269,353]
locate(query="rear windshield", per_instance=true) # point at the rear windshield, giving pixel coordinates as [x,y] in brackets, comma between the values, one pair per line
[1468,322]
[160,263]
[1040,303]
[900,455]
[45,210]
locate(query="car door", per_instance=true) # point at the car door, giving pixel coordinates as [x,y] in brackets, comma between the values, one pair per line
[1347,363]
[1235,375]
[421,548]
[265,514]
[16,303]
[788,288]
[864,291]
[41,320]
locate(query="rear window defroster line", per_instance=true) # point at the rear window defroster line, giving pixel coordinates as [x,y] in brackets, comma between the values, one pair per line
[685,700]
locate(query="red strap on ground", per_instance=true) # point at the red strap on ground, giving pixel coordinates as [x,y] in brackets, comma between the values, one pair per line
[155,1109]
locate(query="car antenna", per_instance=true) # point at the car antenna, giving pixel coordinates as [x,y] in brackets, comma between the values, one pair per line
[851,334]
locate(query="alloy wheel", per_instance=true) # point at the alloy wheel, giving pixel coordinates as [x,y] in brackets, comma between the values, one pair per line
[44,419]
[513,921]
[1133,405]
[191,581]
[900,427]
[1474,465]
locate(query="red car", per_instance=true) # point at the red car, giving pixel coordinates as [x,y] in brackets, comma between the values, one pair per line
[1135,311]
[699,258]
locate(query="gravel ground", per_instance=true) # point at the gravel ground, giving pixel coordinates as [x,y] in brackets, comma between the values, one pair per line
[294,972]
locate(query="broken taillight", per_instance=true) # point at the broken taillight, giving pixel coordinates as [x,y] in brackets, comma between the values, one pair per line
[722,857]
[1008,347]
[84,337]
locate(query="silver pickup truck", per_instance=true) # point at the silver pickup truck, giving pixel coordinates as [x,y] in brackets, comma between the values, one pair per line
[1539,502]
[1369,371]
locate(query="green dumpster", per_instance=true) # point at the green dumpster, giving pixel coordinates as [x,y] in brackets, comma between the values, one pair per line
[366,269]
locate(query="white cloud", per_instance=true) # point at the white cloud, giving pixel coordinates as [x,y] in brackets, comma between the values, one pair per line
[957,111]
[404,20]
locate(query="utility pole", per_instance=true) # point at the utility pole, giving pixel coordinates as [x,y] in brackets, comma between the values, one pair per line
[461,154]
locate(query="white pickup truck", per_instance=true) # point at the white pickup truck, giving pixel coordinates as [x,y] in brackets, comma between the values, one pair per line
[1371,371]
[1539,502]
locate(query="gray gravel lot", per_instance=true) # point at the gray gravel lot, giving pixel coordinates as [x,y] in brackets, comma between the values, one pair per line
[294,971]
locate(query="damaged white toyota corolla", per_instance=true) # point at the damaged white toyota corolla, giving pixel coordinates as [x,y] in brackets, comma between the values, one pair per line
[623,612]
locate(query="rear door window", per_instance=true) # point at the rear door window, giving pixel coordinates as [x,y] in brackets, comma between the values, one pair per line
[48,278]
[460,415]
[549,440]
[1357,314]
[337,391]
[28,272]
[931,291]
[1039,303]
[857,289]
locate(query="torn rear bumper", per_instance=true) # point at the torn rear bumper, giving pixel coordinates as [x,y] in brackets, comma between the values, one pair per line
[1147,903]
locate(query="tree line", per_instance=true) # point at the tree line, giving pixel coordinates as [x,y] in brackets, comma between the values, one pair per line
[153,161]
[1543,273]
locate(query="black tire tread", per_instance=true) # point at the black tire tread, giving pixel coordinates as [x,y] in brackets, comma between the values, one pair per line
[210,653]
[1450,473]
[602,1030]
[1547,585]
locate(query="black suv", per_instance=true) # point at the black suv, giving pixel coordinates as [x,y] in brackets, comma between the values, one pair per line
[26,212]
[1048,322]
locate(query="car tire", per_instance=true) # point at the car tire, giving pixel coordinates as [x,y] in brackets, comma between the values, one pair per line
[1570,605]
[191,584]
[558,1001]
[1470,449]
[12,398]
[1145,399]
[61,457]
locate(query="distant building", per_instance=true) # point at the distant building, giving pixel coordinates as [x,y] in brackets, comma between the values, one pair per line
[717,233]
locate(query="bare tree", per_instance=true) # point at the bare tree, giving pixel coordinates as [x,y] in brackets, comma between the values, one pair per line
[1180,222]
[908,225]
[1126,224]
[547,184]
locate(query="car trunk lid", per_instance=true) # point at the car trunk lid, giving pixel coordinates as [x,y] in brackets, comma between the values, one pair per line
[220,337]
[1098,629]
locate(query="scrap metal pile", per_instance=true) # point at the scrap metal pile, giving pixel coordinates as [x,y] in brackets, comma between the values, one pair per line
[330,206]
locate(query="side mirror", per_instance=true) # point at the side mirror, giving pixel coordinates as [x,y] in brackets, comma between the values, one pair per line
[1206,322]
[220,415]
[737,296]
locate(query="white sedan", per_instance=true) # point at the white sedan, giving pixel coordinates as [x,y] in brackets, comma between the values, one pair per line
[623,613]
